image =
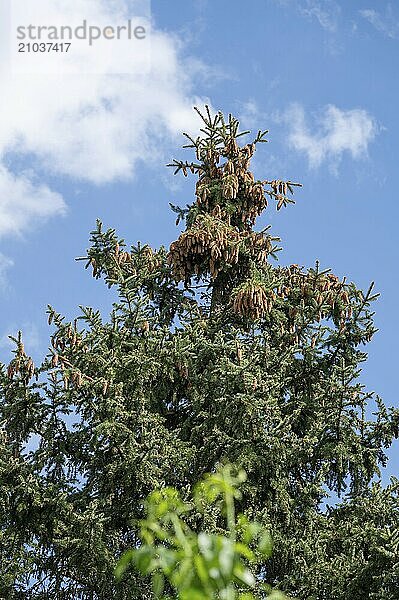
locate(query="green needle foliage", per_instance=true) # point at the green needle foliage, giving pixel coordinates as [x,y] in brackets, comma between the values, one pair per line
[213,352]
[201,566]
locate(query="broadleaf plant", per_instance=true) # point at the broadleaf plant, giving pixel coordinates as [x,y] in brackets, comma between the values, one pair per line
[201,565]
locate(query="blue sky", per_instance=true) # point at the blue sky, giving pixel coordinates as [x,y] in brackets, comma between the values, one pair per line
[321,75]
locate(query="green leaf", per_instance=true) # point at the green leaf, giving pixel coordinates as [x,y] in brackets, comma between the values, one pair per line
[265,545]
[158,584]
[124,563]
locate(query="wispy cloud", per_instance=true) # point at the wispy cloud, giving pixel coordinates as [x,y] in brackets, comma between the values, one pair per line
[326,12]
[5,264]
[249,114]
[387,23]
[95,128]
[333,133]
[24,202]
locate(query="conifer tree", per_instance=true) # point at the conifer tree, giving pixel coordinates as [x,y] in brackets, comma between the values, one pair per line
[212,352]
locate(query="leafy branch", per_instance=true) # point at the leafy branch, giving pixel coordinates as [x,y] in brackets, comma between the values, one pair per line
[201,566]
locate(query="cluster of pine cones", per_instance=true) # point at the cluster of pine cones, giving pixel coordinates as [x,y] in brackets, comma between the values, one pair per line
[325,293]
[253,300]
[210,244]
[231,185]
[206,246]
[228,202]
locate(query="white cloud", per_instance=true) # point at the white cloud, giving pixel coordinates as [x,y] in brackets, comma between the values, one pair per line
[5,264]
[326,12]
[336,131]
[387,24]
[249,115]
[24,202]
[95,127]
